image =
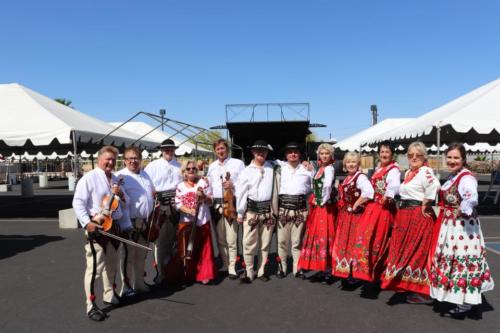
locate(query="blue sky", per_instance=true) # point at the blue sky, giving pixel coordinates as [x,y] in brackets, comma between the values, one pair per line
[114,58]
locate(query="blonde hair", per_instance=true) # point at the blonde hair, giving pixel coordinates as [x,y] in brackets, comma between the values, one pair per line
[325,146]
[107,149]
[420,147]
[350,155]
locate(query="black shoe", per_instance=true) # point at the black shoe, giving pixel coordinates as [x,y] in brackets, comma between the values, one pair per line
[280,275]
[459,312]
[327,280]
[96,314]
[318,277]
[233,276]
[264,278]
[350,284]
[245,280]
[300,275]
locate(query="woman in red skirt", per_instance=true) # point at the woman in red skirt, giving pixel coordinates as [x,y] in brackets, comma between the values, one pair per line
[372,236]
[407,265]
[355,192]
[320,228]
[193,200]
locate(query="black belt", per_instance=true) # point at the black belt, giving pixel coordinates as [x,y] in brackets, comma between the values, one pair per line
[166,197]
[409,203]
[259,207]
[292,202]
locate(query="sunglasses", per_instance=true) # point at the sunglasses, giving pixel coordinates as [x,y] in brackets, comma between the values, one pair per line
[132,158]
[191,169]
[414,155]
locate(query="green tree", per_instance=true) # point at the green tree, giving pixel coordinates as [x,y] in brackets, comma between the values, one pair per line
[206,138]
[64,101]
[312,137]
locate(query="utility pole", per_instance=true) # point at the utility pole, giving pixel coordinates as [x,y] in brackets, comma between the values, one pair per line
[162,114]
[374,111]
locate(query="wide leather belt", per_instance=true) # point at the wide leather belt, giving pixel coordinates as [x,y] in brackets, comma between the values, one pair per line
[293,202]
[259,207]
[409,203]
[166,197]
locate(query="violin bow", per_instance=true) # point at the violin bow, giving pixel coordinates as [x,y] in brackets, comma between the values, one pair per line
[123,240]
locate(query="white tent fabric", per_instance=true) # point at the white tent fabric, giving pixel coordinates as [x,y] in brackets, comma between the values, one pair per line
[157,135]
[473,117]
[354,142]
[28,115]
[481,147]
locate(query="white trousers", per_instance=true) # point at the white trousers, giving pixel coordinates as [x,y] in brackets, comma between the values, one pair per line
[289,233]
[227,242]
[257,238]
[105,268]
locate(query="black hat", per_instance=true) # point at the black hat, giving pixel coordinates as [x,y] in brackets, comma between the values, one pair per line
[169,143]
[261,144]
[292,145]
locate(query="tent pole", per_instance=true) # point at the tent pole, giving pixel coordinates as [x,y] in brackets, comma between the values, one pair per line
[75,158]
[439,149]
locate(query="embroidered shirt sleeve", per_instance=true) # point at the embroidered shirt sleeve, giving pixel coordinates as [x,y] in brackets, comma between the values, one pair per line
[430,183]
[327,184]
[468,191]
[393,181]
[363,184]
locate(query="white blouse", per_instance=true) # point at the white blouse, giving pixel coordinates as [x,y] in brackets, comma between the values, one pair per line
[166,175]
[255,183]
[89,193]
[186,196]
[217,169]
[424,185]
[363,184]
[467,188]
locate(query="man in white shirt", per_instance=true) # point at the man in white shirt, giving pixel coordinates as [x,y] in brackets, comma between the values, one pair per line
[254,192]
[140,190]
[295,184]
[165,173]
[100,251]
[226,228]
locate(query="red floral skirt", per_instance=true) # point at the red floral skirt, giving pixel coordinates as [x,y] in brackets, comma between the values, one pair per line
[318,238]
[201,266]
[407,264]
[345,240]
[371,242]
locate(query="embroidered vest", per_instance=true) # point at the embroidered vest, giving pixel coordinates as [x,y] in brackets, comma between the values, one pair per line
[450,199]
[378,181]
[349,193]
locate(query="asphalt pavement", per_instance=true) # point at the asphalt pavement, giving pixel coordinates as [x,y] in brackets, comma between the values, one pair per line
[41,287]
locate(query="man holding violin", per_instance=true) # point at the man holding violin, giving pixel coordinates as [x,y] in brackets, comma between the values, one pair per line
[139,188]
[91,204]
[166,174]
[222,175]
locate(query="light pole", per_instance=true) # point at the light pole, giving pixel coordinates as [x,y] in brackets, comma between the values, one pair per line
[162,114]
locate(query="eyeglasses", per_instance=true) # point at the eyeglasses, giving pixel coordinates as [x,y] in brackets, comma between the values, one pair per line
[415,155]
[191,169]
[132,159]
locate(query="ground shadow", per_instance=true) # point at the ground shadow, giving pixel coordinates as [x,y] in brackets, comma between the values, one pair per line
[476,313]
[10,245]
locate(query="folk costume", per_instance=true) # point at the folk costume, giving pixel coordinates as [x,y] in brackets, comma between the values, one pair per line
[254,194]
[294,186]
[226,229]
[459,271]
[320,224]
[373,232]
[201,266]
[166,175]
[100,251]
[407,266]
[140,190]
[348,222]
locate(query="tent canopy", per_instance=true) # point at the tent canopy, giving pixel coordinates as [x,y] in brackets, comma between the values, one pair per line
[33,122]
[354,142]
[471,118]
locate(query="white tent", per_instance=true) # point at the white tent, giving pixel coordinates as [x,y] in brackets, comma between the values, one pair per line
[33,122]
[471,118]
[157,135]
[354,142]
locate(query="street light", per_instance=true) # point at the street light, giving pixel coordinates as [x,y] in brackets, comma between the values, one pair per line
[162,114]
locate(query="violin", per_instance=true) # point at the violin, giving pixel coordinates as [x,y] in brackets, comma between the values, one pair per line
[229,211]
[109,205]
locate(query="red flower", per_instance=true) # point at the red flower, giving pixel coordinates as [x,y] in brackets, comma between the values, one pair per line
[461,237]
[444,280]
[471,237]
[433,277]
[461,283]
[460,268]
[486,275]
[475,282]
[451,284]
[472,267]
